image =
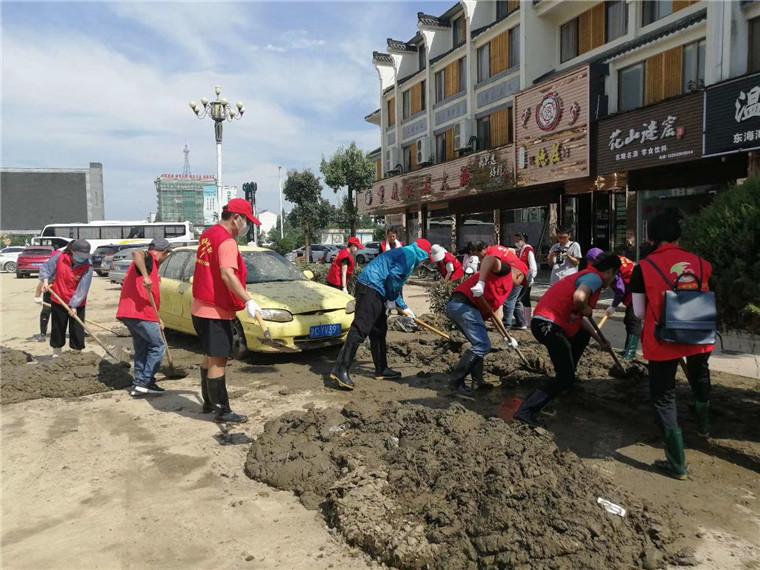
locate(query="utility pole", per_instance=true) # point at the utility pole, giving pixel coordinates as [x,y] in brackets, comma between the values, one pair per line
[282,212]
[249,191]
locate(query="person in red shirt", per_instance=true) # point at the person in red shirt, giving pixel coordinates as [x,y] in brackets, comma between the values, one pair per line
[219,292]
[656,274]
[137,314]
[473,302]
[448,264]
[391,240]
[343,265]
[558,323]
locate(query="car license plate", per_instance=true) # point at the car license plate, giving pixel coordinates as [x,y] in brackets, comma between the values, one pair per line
[36,264]
[323,331]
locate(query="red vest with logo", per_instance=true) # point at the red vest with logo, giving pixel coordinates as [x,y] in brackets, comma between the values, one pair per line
[67,278]
[451,258]
[134,302]
[626,272]
[207,280]
[526,249]
[496,291]
[334,275]
[557,304]
[672,261]
[384,246]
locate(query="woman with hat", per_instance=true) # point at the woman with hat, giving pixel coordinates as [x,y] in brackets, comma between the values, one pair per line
[343,265]
[448,264]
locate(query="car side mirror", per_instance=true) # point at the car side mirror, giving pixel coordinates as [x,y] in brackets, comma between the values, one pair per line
[309,274]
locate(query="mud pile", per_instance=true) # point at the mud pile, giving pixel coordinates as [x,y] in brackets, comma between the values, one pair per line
[70,375]
[417,487]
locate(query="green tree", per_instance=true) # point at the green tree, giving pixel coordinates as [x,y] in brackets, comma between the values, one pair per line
[349,168]
[311,212]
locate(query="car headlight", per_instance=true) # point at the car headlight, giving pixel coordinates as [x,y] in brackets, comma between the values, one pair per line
[277,315]
[351,306]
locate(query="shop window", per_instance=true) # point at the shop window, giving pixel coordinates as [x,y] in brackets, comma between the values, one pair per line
[391,111]
[653,10]
[440,148]
[631,87]
[406,104]
[475,227]
[458,31]
[484,67]
[484,132]
[753,63]
[568,40]
[421,57]
[408,152]
[439,225]
[514,47]
[616,19]
[440,92]
[694,66]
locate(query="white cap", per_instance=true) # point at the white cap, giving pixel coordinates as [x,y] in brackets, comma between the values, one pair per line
[437,253]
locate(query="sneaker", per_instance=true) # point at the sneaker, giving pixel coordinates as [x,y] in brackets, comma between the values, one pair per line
[143,389]
[156,387]
[40,337]
[519,327]
[57,352]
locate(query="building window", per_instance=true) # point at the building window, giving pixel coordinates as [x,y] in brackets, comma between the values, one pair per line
[462,75]
[440,148]
[502,9]
[753,62]
[694,66]
[631,87]
[421,60]
[484,133]
[423,92]
[391,111]
[484,60]
[458,30]
[616,19]
[439,87]
[568,40]
[406,104]
[653,10]
[408,158]
[514,47]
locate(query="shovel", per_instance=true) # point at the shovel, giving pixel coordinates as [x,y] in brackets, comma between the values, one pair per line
[172,373]
[269,341]
[103,327]
[432,329]
[617,370]
[112,351]
[507,337]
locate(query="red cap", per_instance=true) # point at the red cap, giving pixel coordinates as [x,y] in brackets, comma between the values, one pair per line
[242,207]
[424,245]
[355,241]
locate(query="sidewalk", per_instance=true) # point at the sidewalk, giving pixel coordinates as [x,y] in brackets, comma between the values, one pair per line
[738,355]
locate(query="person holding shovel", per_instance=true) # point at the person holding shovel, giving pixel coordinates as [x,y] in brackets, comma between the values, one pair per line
[558,323]
[448,264]
[137,313]
[476,300]
[378,290]
[343,265]
[71,274]
[519,298]
[219,291]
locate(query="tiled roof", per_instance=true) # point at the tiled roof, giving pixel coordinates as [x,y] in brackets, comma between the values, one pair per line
[377,152]
[429,20]
[380,57]
[396,45]
[375,112]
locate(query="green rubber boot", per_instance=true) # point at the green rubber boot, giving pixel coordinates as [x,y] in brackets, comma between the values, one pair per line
[675,464]
[702,410]
[631,347]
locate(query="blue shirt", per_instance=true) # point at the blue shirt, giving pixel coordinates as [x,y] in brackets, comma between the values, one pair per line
[388,273]
[590,280]
[49,269]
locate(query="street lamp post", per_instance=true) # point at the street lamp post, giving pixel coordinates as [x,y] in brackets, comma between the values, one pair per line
[219,111]
[282,213]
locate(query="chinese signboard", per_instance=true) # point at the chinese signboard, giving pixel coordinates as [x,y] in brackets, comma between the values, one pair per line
[732,118]
[661,134]
[210,208]
[551,130]
[486,171]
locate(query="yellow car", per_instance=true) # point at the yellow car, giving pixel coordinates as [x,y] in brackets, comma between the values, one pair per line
[299,313]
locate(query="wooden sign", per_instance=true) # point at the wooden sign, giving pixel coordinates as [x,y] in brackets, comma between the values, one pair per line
[551,130]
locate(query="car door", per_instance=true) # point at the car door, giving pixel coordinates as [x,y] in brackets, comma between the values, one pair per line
[185,294]
[171,280]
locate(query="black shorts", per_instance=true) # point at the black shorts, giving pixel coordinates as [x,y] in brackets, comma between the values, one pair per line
[215,335]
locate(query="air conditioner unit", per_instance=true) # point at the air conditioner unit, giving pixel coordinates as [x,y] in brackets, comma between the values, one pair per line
[464,134]
[423,150]
[394,156]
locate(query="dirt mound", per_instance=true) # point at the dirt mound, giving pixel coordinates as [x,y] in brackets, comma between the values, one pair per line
[70,375]
[424,488]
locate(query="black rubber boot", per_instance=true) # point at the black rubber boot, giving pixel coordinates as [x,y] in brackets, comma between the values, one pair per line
[339,373]
[702,410]
[532,406]
[460,372]
[207,407]
[379,351]
[217,391]
[477,375]
[387,374]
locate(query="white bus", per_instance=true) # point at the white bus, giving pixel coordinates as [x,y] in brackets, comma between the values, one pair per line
[116,233]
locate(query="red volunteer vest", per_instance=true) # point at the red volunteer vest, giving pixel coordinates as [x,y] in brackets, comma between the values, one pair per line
[67,278]
[496,291]
[134,302]
[626,272]
[207,280]
[524,253]
[451,258]
[384,246]
[672,261]
[557,305]
[334,275]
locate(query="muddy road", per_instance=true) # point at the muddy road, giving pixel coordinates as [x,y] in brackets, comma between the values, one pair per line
[119,482]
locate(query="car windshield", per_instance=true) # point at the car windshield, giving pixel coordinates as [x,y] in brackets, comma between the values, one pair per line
[269,266]
[105,249]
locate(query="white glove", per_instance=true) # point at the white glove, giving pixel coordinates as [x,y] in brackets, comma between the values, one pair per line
[610,311]
[345,290]
[513,342]
[391,305]
[252,307]
[409,313]
[38,300]
[477,291]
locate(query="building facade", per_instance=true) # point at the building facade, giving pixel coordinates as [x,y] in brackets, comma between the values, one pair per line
[186,197]
[505,116]
[31,198]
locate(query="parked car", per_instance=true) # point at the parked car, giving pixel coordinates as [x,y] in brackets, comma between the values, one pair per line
[104,252]
[318,252]
[371,251]
[9,256]
[299,312]
[333,252]
[119,263]
[30,260]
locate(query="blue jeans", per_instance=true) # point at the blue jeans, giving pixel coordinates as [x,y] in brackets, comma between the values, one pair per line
[149,349]
[469,319]
[509,306]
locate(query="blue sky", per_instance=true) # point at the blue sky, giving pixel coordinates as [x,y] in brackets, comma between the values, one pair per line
[110,83]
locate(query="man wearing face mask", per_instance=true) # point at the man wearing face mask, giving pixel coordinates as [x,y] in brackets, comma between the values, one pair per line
[71,273]
[219,291]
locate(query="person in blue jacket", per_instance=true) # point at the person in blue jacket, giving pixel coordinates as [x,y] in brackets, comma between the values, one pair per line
[379,288]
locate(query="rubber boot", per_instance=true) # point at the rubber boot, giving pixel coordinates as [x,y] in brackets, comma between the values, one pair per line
[207,407]
[477,375]
[339,373]
[379,351]
[675,464]
[702,410]
[631,346]
[460,372]
[531,407]
[217,391]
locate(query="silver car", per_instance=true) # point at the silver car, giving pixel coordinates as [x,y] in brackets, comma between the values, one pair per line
[119,264]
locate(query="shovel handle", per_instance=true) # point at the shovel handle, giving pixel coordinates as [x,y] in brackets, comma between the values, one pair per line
[88,321]
[431,328]
[502,329]
[602,321]
[169,358]
[84,326]
[604,339]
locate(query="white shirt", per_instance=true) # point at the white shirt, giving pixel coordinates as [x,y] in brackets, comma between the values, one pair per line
[559,271]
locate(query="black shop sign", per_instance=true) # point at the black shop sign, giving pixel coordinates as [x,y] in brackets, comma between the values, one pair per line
[732,117]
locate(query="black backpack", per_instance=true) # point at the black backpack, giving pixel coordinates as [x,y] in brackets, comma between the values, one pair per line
[688,316]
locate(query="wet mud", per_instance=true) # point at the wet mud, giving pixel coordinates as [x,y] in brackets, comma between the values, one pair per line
[70,375]
[417,487]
